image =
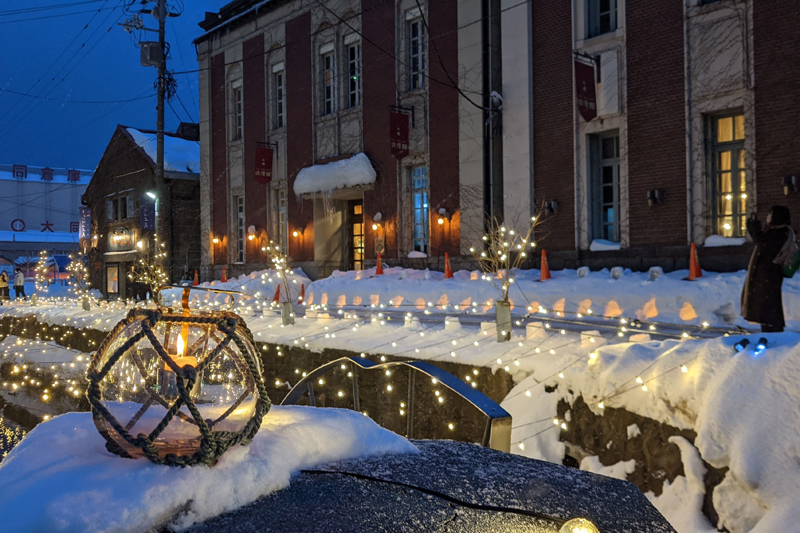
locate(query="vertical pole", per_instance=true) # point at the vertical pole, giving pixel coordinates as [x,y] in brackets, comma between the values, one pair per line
[356,399]
[410,413]
[162,70]
[311,394]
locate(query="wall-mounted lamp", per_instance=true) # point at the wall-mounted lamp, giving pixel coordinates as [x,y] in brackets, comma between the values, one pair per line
[444,215]
[298,233]
[215,240]
[790,183]
[251,233]
[655,196]
[552,207]
[151,195]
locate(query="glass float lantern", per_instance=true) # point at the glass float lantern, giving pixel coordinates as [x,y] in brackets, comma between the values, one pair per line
[179,388]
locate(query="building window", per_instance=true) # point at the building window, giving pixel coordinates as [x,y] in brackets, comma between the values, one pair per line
[129,204]
[111,209]
[419,193]
[601,17]
[123,208]
[283,219]
[605,185]
[416,54]
[280,100]
[727,165]
[240,236]
[112,279]
[327,68]
[354,75]
[237,110]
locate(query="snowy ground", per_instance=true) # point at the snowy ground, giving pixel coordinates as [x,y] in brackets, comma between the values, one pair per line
[61,478]
[732,401]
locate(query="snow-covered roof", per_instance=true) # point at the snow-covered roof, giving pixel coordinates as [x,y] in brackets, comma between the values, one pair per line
[350,172]
[34,173]
[180,155]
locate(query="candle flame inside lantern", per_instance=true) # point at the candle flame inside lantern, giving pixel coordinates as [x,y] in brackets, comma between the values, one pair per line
[180,345]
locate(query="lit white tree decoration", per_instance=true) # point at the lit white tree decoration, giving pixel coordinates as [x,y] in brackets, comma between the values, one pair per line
[148,268]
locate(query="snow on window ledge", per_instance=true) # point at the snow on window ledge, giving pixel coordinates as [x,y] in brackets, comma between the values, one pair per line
[417,255]
[602,245]
[714,241]
[356,170]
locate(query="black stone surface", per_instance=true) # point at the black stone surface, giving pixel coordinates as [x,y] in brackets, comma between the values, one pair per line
[469,473]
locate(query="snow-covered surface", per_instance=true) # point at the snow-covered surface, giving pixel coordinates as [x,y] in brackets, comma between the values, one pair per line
[601,245]
[417,255]
[61,478]
[743,407]
[350,172]
[714,298]
[180,155]
[713,241]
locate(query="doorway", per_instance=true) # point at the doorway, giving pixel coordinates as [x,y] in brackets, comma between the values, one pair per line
[355,233]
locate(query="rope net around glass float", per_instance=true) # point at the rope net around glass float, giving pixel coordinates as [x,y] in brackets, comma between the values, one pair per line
[188,371]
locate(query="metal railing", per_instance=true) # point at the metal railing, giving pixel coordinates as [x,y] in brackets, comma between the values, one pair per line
[497,432]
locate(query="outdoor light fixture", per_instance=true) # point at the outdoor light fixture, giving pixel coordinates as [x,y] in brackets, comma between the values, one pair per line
[443,215]
[139,244]
[761,346]
[298,232]
[741,345]
[215,240]
[151,195]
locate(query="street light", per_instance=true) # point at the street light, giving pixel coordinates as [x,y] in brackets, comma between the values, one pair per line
[151,194]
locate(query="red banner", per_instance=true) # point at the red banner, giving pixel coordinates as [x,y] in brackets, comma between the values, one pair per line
[263,171]
[585,90]
[398,135]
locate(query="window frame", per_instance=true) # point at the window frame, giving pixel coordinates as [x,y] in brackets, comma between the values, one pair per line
[738,174]
[593,18]
[237,112]
[416,54]
[240,230]
[327,83]
[353,74]
[601,227]
[279,86]
[420,241]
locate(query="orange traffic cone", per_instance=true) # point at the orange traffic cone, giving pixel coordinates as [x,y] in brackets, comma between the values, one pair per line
[545,273]
[224,274]
[448,272]
[379,266]
[302,294]
[277,298]
[694,265]
[196,280]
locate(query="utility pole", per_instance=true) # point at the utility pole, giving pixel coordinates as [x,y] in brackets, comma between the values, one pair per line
[162,71]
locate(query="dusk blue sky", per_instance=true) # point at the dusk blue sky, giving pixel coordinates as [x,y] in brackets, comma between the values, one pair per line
[59,134]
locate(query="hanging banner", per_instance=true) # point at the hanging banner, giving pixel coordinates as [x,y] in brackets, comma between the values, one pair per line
[148,210]
[585,90]
[263,169]
[398,135]
[85,223]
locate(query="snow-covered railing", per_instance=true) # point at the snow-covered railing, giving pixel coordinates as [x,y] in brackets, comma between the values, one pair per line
[496,435]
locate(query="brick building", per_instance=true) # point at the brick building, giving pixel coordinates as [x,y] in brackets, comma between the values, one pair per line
[123,214]
[660,153]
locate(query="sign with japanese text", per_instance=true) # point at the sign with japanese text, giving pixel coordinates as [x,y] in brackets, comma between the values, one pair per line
[585,90]
[20,171]
[18,224]
[263,168]
[47,174]
[148,210]
[85,223]
[74,175]
[398,134]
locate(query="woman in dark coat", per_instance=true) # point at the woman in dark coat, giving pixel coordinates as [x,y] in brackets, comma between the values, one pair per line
[761,295]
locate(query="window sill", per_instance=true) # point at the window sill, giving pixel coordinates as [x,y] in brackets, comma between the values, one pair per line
[598,41]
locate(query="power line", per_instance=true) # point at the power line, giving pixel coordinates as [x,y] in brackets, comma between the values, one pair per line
[56,16]
[45,8]
[75,101]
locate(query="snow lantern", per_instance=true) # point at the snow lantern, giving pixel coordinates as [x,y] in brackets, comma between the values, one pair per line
[177,387]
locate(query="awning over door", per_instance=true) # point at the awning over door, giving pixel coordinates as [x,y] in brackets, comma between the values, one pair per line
[353,173]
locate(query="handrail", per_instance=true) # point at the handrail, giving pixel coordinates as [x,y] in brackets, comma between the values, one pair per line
[497,434]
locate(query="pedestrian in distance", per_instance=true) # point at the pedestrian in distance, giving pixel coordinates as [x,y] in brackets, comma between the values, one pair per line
[19,285]
[761,296]
[3,287]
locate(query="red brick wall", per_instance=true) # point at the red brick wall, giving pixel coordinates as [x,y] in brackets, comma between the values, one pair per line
[444,184]
[299,132]
[255,101]
[553,132]
[219,150]
[656,121]
[777,78]
[379,91]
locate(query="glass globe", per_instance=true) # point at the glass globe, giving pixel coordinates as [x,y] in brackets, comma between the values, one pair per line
[150,357]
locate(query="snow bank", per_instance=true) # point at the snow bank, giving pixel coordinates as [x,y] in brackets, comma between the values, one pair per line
[743,407]
[180,155]
[714,298]
[356,170]
[61,478]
